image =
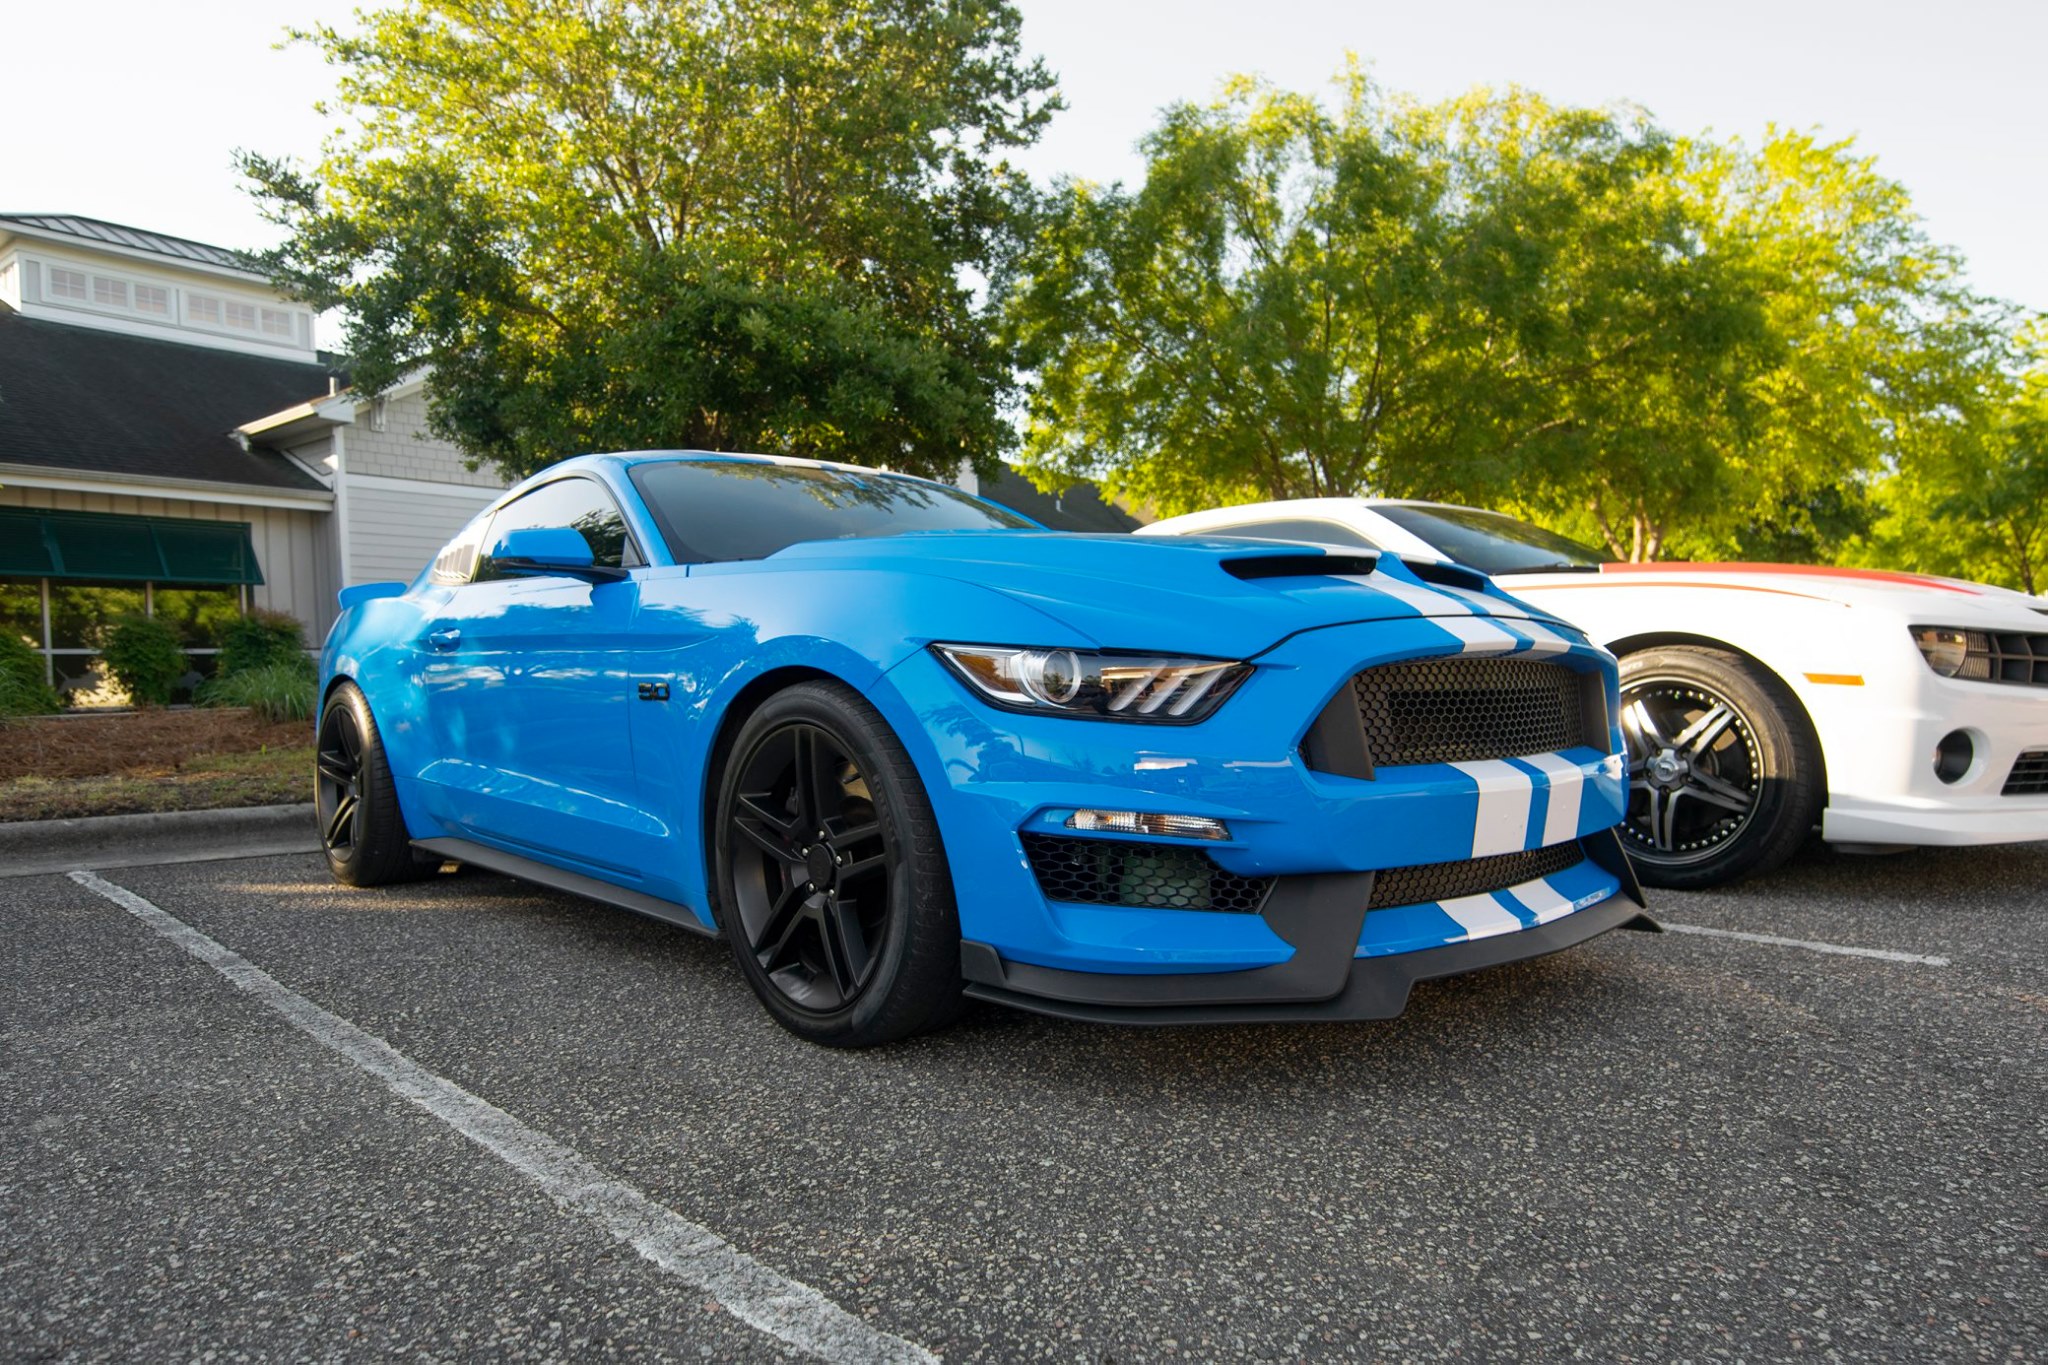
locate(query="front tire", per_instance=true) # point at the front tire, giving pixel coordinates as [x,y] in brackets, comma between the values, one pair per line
[1724,770]
[830,875]
[361,830]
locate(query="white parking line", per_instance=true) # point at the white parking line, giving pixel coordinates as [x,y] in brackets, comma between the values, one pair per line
[753,1293]
[1838,949]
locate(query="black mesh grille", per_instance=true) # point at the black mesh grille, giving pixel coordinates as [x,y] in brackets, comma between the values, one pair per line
[2020,659]
[2029,774]
[1472,877]
[1154,876]
[1460,709]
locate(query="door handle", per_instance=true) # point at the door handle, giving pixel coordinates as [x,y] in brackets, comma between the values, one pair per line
[444,639]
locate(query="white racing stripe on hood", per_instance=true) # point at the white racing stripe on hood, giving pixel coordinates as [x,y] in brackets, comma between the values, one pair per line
[1478,636]
[1481,916]
[1427,601]
[1566,783]
[1542,900]
[1505,791]
[1547,641]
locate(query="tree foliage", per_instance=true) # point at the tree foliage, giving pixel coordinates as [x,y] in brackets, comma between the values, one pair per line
[726,223]
[1653,341]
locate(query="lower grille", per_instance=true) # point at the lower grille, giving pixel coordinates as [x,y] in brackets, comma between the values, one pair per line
[1461,708]
[2029,774]
[1472,877]
[1139,876]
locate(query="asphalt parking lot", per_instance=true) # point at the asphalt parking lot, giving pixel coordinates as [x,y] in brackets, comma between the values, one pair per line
[1687,1146]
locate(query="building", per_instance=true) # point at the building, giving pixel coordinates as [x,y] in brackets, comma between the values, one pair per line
[172,442]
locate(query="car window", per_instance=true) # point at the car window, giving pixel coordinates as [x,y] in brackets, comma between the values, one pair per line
[711,511]
[582,504]
[1315,532]
[1490,542]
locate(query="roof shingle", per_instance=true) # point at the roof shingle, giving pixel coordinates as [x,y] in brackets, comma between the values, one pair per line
[79,398]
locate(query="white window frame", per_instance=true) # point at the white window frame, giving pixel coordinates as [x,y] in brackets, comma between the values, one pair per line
[84,294]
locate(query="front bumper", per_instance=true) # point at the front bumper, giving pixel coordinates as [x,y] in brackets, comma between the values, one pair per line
[1323,918]
[1879,743]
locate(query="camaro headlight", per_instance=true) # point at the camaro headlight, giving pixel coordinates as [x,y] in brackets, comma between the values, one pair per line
[1091,686]
[1955,653]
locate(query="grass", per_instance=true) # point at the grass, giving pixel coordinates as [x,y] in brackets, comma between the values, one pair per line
[151,761]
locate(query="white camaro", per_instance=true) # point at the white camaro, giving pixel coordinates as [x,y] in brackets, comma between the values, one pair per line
[1758,700]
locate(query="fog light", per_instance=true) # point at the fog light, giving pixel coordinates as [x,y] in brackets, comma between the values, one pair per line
[1953,756]
[1137,822]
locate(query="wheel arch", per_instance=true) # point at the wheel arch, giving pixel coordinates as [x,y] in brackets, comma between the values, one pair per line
[1666,639]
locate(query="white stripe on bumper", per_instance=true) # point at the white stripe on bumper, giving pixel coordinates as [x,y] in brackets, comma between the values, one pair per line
[1566,783]
[1505,792]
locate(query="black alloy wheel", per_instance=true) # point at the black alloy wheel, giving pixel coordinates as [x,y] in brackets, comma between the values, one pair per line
[361,830]
[813,893]
[339,763]
[1723,769]
[833,889]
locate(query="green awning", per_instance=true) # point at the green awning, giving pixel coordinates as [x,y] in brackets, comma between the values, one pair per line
[100,545]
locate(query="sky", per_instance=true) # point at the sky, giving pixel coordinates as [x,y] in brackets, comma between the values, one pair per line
[131,110]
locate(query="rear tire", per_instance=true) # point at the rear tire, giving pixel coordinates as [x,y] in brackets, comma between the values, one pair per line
[829,874]
[361,830]
[1725,775]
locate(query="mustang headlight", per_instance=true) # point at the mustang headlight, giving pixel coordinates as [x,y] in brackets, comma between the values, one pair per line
[1090,686]
[1955,653]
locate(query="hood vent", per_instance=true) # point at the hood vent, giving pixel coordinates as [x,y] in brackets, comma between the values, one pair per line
[1448,575]
[1299,566]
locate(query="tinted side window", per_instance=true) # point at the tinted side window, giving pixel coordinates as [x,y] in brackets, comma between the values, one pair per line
[582,504]
[1315,532]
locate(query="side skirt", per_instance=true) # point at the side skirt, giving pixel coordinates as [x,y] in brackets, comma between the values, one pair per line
[575,883]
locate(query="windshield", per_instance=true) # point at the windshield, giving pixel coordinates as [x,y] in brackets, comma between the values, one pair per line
[713,510]
[1490,542]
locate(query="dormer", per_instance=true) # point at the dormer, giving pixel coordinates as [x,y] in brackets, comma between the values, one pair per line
[89,273]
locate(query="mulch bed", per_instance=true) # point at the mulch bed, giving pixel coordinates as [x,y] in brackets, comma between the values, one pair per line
[137,742]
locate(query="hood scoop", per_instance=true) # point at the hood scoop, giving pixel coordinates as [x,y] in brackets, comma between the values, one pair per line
[1298,566]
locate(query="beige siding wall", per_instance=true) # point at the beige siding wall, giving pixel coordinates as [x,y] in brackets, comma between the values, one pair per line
[295,549]
[406,450]
[397,527]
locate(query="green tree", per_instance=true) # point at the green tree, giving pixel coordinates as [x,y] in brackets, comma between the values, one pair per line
[1659,343]
[1974,504]
[726,223]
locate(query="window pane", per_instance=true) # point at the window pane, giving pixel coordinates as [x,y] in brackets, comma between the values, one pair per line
[21,610]
[150,299]
[242,315]
[715,510]
[1490,542]
[1312,531]
[198,614]
[67,284]
[114,292]
[203,309]
[574,502]
[80,613]
[277,322]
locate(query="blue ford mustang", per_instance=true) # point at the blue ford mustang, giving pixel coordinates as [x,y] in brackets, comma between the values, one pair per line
[903,746]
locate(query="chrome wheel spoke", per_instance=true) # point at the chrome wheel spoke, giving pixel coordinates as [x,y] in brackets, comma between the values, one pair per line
[1713,790]
[1637,720]
[1699,736]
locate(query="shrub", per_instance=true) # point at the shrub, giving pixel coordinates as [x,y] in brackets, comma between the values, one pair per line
[275,691]
[23,690]
[261,639]
[143,655]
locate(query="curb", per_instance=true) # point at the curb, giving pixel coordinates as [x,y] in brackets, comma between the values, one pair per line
[33,847]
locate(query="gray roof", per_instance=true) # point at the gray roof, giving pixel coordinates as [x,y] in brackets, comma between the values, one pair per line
[136,239]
